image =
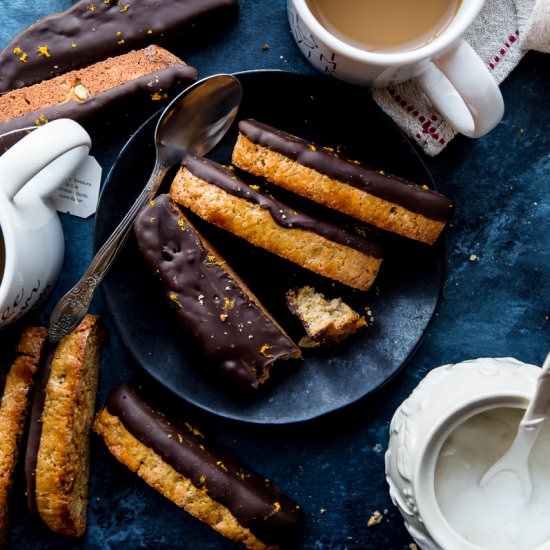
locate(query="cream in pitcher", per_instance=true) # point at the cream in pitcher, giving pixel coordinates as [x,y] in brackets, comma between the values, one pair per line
[495,516]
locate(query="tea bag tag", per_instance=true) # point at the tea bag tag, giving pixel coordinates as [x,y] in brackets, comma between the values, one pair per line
[78,196]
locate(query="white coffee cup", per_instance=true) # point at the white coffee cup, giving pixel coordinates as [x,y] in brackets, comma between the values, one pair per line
[31,234]
[447,68]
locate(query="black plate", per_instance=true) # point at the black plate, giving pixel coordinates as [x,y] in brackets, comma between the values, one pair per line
[403,299]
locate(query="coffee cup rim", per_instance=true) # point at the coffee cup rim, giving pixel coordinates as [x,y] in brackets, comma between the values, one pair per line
[468,11]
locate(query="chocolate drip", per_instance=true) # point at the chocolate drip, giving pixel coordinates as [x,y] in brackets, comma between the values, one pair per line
[224,178]
[233,332]
[254,502]
[90,31]
[83,111]
[391,188]
[35,427]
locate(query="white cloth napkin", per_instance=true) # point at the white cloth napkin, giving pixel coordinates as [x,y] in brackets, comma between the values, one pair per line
[501,34]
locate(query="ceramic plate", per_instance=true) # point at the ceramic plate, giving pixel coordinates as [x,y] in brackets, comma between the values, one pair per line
[402,300]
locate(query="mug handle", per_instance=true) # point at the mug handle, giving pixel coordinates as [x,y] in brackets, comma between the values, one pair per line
[463,90]
[52,152]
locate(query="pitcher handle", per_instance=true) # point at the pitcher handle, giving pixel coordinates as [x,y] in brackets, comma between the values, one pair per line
[48,155]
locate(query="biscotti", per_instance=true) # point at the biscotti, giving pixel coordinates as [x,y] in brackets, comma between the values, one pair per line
[16,378]
[88,32]
[82,93]
[383,200]
[175,459]
[214,193]
[236,334]
[57,461]
[326,322]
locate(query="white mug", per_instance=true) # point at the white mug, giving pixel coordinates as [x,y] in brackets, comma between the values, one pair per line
[447,68]
[31,239]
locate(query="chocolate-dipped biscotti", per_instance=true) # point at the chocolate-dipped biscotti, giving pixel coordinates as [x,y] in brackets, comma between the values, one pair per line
[57,461]
[82,93]
[176,460]
[372,196]
[236,334]
[16,378]
[88,32]
[214,193]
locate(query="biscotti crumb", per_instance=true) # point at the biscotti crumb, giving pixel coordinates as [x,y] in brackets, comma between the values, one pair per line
[325,321]
[375,519]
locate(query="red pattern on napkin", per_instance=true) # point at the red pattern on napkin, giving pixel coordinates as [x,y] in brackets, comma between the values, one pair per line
[501,35]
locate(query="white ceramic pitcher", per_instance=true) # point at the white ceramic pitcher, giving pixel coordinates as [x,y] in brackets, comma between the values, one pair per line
[31,238]
[445,399]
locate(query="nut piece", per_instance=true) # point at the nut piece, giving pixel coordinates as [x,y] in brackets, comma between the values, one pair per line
[81,92]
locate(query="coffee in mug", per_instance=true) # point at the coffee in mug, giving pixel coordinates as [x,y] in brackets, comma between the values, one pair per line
[385,26]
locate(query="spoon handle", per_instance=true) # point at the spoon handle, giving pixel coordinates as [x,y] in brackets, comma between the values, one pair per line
[73,306]
[539,405]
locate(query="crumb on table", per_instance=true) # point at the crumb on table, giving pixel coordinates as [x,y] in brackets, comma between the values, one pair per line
[375,519]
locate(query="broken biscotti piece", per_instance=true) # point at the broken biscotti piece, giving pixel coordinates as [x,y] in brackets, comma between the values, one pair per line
[91,31]
[325,321]
[57,461]
[214,193]
[16,378]
[175,459]
[319,174]
[83,93]
[236,334]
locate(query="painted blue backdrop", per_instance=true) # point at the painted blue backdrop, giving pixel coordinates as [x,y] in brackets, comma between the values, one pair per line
[496,304]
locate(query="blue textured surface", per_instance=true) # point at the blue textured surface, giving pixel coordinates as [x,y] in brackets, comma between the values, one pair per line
[498,305]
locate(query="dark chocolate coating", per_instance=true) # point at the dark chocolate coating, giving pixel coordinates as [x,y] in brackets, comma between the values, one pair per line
[391,188]
[7,357]
[35,427]
[235,335]
[82,35]
[254,502]
[83,111]
[4,371]
[285,216]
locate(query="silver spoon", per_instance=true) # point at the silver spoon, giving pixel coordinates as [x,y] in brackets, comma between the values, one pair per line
[516,458]
[194,122]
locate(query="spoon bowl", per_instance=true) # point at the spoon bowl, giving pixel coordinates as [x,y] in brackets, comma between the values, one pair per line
[205,111]
[516,458]
[194,122]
